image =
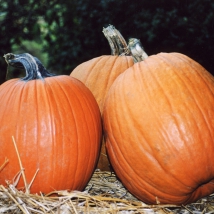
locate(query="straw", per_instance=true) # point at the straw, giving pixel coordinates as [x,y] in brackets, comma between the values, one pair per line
[4,164]
[103,194]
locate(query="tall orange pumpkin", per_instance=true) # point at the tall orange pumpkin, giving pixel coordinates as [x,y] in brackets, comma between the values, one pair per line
[99,73]
[159,127]
[56,124]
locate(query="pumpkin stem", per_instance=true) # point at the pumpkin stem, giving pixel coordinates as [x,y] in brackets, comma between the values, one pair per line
[137,50]
[33,66]
[116,41]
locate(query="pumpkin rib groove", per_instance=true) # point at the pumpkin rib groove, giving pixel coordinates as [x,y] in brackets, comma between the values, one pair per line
[118,125]
[53,102]
[190,92]
[65,95]
[90,139]
[86,102]
[93,66]
[61,115]
[199,74]
[86,127]
[94,125]
[16,114]
[38,88]
[148,185]
[74,119]
[157,118]
[59,129]
[20,90]
[107,79]
[21,122]
[196,101]
[145,95]
[124,166]
[131,169]
[196,71]
[204,116]
[89,154]
[117,63]
[210,90]
[134,119]
[124,171]
[75,175]
[37,127]
[80,72]
[164,95]
[193,66]
[163,128]
[101,90]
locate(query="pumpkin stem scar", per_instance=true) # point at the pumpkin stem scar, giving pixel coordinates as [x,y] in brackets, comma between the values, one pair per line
[116,41]
[33,67]
[137,50]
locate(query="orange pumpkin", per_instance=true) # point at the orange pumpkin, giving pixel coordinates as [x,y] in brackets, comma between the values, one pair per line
[56,124]
[99,73]
[159,129]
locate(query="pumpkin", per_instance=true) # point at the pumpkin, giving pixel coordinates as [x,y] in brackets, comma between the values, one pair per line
[56,125]
[99,73]
[158,120]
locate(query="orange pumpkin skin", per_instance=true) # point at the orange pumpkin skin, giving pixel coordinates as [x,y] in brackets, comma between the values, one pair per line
[56,124]
[98,74]
[159,127]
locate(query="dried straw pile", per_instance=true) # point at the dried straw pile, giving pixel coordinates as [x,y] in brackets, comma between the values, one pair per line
[104,194]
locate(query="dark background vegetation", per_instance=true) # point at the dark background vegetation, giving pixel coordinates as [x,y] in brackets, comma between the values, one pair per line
[64,33]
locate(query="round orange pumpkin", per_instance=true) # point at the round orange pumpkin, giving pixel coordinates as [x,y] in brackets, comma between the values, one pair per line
[159,127]
[56,124]
[99,73]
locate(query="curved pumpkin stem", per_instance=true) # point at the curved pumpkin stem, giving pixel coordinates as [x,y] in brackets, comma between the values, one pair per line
[137,50]
[116,41]
[33,67]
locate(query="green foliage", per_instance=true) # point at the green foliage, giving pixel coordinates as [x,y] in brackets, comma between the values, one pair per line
[70,32]
[19,22]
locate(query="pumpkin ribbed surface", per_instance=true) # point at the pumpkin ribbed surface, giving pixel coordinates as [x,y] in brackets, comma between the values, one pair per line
[99,73]
[57,128]
[159,128]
